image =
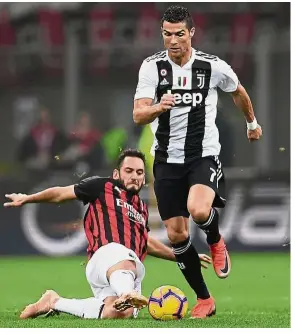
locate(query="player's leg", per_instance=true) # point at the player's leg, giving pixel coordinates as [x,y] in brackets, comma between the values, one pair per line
[186,255]
[206,182]
[171,197]
[122,278]
[118,268]
[90,308]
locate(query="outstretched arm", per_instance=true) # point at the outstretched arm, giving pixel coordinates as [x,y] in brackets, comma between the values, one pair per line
[51,195]
[158,249]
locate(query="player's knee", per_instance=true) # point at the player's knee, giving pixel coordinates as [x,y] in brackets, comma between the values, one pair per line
[200,213]
[176,236]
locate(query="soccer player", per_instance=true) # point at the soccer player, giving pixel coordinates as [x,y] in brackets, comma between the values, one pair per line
[177,94]
[116,226]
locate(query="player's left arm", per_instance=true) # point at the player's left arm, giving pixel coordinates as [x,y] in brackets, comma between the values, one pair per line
[226,79]
[243,102]
[158,249]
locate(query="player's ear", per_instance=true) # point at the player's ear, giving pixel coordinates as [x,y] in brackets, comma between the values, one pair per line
[115,174]
[192,32]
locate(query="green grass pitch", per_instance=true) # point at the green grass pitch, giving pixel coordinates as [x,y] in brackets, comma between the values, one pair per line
[256,294]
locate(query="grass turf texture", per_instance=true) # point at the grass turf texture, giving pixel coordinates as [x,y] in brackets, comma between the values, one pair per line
[256,294]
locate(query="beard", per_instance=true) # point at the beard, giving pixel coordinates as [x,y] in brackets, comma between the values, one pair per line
[133,191]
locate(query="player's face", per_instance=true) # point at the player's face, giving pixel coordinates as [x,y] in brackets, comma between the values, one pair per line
[131,174]
[177,38]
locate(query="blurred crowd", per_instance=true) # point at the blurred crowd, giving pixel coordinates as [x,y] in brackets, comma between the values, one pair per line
[84,149]
[112,39]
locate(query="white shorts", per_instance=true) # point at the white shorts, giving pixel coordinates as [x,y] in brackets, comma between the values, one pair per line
[102,260]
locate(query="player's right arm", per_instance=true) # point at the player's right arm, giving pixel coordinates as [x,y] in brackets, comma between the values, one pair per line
[144,111]
[86,190]
[50,195]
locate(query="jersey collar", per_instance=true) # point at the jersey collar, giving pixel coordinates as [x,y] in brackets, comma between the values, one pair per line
[187,65]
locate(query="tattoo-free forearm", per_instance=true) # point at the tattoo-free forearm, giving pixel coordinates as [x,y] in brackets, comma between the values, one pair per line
[52,195]
[146,114]
[158,249]
[243,102]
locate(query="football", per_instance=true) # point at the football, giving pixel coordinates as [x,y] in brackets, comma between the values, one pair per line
[167,303]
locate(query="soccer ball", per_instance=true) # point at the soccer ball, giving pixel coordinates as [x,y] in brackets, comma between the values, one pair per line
[167,303]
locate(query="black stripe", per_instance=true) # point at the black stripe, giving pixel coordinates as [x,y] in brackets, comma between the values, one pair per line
[163,131]
[120,225]
[100,311]
[196,118]
[107,222]
[99,243]
[146,213]
[141,246]
[144,248]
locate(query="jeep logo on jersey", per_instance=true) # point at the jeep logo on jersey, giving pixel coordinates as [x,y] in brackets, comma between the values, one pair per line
[186,99]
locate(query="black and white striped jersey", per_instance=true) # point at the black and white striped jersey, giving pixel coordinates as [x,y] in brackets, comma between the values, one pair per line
[188,130]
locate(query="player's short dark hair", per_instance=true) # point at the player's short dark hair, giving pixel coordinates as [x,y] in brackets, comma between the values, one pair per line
[176,14]
[130,152]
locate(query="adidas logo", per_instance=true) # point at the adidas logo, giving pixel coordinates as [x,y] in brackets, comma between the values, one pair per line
[164,82]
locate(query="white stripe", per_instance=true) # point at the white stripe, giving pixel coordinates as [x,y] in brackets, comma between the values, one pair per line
[182,249]
[209,220]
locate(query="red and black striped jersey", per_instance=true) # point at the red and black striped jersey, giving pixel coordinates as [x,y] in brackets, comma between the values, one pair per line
[113,215]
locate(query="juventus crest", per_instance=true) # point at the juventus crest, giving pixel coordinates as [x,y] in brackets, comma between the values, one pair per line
[201,80]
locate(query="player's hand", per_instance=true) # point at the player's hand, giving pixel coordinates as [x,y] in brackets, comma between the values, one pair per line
[254,134]
[16,200]
[205,258]
[167,102]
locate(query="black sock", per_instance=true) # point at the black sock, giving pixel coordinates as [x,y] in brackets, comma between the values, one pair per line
[190,265]
[210,227]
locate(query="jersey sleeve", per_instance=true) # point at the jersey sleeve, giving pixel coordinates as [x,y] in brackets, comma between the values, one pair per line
[88,190]
[226,78]
[147,81]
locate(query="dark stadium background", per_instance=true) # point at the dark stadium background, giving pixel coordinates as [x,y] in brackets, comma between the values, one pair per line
[78,62]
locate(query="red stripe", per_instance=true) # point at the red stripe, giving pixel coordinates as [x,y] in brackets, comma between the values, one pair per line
[100,221]
[88,233]
[127,228]
[137,233]
[109,197]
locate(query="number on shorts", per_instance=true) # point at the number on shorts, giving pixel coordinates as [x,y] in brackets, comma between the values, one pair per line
[213,174]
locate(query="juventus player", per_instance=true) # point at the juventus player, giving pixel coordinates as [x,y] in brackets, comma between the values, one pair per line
[177,94]
[116,226]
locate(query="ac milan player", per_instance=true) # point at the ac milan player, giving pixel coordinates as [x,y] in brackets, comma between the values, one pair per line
[116,226]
